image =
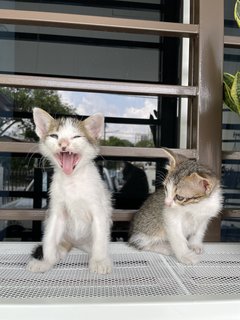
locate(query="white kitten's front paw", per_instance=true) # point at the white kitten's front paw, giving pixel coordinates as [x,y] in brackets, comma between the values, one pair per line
[197,248]
[35,265]
[189,258]
[100,266]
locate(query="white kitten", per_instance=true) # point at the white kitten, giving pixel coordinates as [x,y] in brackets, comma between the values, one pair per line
[80,205]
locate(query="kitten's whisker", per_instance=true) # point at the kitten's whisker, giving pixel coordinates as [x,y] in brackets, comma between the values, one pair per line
[158,184]
[29,158]
[42,164]
[160,176]
[102,157]
[31,152]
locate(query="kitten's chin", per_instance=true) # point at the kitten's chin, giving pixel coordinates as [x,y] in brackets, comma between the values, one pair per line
[68,161]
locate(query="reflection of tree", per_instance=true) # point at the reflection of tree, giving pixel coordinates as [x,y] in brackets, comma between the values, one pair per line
[5,125]
[23,101]
[115,141]
[145,144]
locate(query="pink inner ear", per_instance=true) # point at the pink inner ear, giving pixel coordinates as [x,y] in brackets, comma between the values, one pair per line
[94,125]
[41,129]
[42,121]
[205,184]
[95,131]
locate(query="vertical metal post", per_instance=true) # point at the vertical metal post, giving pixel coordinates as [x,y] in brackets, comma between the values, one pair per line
[209,100]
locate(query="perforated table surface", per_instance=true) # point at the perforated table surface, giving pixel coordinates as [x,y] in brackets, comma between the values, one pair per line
[142,285]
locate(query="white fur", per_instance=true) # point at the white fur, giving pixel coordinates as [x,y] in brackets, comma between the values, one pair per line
[80,205]
[185,226]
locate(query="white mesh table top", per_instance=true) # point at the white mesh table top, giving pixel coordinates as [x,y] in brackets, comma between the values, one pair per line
[137,277]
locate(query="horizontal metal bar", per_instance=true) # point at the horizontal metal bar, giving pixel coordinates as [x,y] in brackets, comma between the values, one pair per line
[231,42]
[231,213]
[123,215]
[39,215]
[18,147]
[19,214]
[118,214]
[115,120]
[230,155]
[143,152]
[25,147]
[62,20]
[96,86]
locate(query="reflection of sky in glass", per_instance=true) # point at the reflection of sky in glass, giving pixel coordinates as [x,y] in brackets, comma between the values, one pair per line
[112,105]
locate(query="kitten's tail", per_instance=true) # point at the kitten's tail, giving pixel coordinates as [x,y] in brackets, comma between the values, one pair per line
[37,253]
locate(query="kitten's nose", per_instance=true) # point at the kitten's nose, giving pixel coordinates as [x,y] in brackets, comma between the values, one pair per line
[63,144]
[168,202]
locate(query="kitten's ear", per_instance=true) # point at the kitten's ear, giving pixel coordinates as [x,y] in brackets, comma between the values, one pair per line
[174,159]
[42,121]
[205,184]
[94,125]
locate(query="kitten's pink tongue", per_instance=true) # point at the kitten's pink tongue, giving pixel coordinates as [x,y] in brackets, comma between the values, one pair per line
[68,162]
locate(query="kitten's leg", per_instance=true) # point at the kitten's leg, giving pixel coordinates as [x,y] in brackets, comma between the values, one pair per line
[159,247]
[99,259]
[178,242]
[52,252]
[195,240]
[63,248]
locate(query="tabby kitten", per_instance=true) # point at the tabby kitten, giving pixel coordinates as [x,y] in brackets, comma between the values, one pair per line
[175,221]
[79,213]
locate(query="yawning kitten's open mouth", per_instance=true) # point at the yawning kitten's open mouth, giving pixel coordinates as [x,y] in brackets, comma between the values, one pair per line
[68,161]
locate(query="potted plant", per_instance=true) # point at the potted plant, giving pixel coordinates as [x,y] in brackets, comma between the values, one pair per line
[231,83]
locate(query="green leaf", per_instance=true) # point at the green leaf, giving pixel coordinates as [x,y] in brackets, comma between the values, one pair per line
[228,79]
[227,98]
[237,12]
[235,91]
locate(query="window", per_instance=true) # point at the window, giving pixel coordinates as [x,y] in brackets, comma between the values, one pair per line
[231,134]
[137,61]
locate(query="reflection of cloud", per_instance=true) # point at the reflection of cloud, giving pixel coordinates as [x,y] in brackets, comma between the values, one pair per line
[142,112]
[93,103]
[129,132]
[113,105]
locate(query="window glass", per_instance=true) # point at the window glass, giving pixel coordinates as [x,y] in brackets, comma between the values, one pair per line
[231,125]
[155,10]
[129,120]
[93,54]
[231,134]
[88,54]
[25,180]
[230,25]
[138,121]
[23,183]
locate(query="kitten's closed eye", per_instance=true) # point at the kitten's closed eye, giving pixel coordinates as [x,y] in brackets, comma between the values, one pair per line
[54,136]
